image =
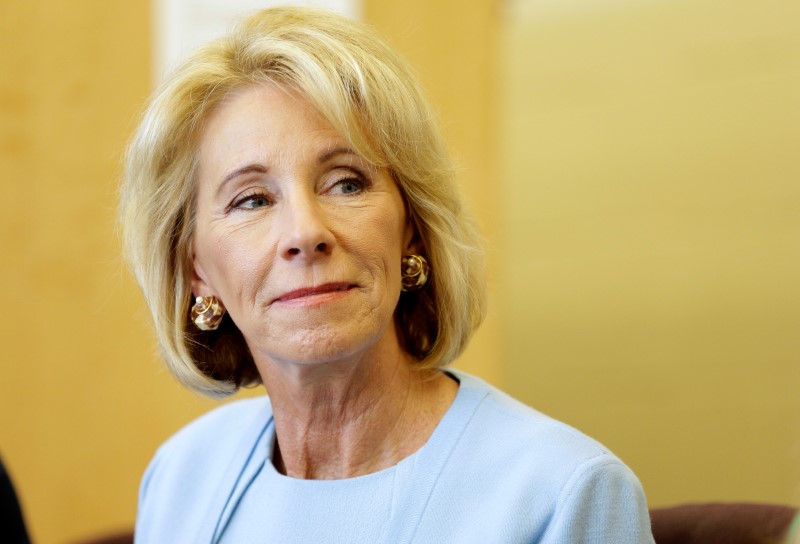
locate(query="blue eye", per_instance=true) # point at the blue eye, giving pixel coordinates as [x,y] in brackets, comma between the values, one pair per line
[256,202]
[350,186]
[251,202]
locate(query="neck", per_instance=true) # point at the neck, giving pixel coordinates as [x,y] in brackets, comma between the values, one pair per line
[346,419]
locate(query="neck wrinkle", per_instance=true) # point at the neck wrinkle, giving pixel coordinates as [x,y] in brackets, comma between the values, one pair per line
[359,423]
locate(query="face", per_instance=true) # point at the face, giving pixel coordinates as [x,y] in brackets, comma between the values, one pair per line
[297,235]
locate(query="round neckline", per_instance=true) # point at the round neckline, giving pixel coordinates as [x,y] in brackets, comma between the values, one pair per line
[270,437]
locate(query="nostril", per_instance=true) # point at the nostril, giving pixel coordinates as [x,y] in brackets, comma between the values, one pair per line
[322,247]
[294,251]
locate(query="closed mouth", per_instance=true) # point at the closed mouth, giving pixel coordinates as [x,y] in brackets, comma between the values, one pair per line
[317,290]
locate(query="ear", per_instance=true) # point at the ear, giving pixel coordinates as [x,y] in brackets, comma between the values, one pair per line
[411,242]
[200,285]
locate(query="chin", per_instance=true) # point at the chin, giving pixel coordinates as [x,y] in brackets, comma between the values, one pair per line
[320,345]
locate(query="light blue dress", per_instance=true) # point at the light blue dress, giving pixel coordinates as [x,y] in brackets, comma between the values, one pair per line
[493,471]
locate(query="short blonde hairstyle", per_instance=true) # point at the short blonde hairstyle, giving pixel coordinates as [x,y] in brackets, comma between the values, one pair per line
[374,101]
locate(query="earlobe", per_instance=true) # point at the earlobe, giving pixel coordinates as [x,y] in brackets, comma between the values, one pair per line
[207,311]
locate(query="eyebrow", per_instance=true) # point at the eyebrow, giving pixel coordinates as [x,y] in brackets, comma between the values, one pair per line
[261,169]
[328,155]
[249,169]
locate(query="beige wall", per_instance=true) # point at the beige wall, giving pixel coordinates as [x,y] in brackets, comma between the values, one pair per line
[651,235]
[83,402]
[642,239]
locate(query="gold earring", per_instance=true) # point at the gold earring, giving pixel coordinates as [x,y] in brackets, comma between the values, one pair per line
[207,313]
[414,271]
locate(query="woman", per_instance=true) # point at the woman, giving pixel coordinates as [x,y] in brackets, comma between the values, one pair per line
[11,520]
[291,215]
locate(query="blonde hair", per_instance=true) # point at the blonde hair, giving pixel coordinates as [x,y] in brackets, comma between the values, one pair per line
[371,98]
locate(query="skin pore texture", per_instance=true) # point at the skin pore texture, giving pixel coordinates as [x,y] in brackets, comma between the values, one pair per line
[301,239]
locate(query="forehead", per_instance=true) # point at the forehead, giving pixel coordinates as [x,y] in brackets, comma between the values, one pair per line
[272,125]
[259,111]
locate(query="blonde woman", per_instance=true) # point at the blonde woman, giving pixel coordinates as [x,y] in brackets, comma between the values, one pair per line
[292,217]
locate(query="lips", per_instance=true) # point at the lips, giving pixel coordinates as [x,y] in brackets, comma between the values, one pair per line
[312,291]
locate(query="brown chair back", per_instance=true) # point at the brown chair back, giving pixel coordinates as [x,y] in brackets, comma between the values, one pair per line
[722,523]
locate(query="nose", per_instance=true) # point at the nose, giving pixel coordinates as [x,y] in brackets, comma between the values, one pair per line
[305,233]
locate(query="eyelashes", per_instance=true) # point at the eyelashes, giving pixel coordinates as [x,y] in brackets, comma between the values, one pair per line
[347,182]
[250,200]
[350,186]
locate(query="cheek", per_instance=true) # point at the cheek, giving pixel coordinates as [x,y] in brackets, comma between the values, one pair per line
[235,265]
[383,243]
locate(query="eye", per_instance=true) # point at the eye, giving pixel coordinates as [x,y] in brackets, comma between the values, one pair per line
[348,186]
[251,201]
[348,181]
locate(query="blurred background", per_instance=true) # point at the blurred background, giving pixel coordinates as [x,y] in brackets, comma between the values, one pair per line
[634,165]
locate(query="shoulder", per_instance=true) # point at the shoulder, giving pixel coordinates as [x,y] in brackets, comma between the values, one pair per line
[204,445]
[508,423]
[546,461]
[218,428]
[553,480]
[189,469]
